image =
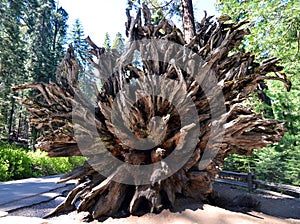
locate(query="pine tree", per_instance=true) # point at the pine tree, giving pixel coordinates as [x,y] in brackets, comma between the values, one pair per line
[78,40]
[42,63]
[32,39]
[81,47]
[12,64]
[47,35]
[59,18]
[275,33]
[118,43]
[106,43]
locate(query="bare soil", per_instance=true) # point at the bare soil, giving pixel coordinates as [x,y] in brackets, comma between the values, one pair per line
[230,205]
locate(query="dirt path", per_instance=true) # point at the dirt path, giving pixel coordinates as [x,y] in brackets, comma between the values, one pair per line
[205,214]
[238,207]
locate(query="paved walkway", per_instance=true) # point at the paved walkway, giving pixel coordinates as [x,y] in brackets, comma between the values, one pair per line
[27,192]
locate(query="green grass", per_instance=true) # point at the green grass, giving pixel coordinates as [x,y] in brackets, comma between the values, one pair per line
[19,163]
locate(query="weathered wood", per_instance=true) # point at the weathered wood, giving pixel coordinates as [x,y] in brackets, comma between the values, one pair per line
[231,182]
[278,187]
[248,180]
[224,71]
[237,175]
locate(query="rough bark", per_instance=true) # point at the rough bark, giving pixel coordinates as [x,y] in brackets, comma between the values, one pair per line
[237,76]
[188,20]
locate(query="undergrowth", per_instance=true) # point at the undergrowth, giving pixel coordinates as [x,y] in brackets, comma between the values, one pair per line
[19,163]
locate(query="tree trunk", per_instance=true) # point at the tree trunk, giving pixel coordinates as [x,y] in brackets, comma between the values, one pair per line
[188,20]
[265,99]
[160,131]
[11,134]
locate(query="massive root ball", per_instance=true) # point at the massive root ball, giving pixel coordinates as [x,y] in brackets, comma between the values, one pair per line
[160,128]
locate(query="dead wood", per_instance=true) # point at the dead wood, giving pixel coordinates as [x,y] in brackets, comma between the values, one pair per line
[237,75]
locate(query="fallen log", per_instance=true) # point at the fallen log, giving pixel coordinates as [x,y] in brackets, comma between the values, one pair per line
[160,129]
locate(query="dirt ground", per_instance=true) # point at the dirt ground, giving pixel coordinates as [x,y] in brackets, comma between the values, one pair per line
[231,205]
[275,204]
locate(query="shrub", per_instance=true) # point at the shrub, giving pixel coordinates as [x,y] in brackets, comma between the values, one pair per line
[18,163]
[15,163]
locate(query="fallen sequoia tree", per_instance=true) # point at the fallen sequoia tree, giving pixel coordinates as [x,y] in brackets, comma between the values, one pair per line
[209,71]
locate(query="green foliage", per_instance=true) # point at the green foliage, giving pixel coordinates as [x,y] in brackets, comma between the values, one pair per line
[18,163]
[80,45]
[107,44]
[12,57]
[269,164]
[274,33]
[159,8]
[119,43]
[81,48]
[15,163]
[239,163]
[32,39]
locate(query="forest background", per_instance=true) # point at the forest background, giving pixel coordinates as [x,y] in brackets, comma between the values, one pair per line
[34,36]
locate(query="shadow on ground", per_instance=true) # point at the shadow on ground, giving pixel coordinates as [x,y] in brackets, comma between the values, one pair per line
[237,200]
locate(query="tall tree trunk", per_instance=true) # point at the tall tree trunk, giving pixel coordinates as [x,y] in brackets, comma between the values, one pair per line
[188,20]
[55,36]
[20,123]
[10,120]
[264,98]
